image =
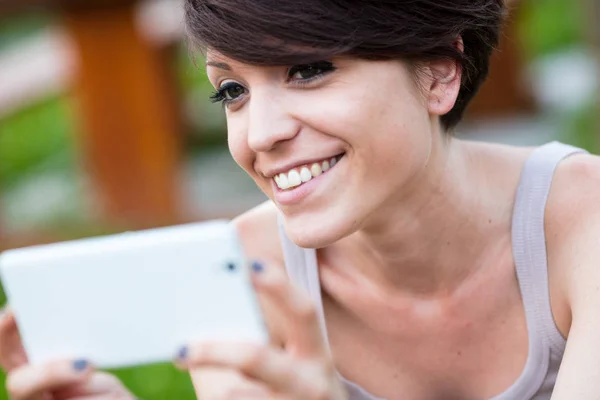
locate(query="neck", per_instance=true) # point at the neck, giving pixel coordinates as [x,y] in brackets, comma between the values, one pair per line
[454,222]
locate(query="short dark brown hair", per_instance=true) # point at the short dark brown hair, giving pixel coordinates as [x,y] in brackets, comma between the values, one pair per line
[286,32]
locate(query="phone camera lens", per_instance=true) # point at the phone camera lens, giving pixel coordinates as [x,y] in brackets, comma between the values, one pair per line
[231,267]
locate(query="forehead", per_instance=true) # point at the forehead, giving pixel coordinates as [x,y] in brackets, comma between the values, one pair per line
[219,61]
[214,57]
[274,53]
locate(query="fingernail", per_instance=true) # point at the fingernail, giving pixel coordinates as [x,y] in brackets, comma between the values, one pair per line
[80,365]
[257,267]
[182,353]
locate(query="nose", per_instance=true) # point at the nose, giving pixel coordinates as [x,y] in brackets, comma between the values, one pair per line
[270,122]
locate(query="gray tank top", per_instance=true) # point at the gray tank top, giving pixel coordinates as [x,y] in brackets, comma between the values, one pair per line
[546,344]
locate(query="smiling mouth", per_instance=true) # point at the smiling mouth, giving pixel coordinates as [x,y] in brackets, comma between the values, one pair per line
[299,175]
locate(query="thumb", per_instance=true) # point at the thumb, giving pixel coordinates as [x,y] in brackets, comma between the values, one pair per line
[294,310]
[12,353]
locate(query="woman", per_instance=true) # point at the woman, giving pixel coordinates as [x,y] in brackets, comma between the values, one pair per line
[443,269]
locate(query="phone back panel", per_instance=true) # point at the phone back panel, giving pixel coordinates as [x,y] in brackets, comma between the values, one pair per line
[132,298]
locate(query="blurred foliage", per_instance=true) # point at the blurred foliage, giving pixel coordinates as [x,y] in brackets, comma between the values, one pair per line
[15,29]
[578,128]
[150,382]
[24,147]
[191,72]
[206,125]
[548,26]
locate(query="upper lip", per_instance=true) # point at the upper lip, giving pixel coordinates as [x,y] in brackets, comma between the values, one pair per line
[271,172]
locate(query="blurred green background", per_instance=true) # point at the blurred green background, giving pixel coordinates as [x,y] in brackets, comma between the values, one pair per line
[38,147]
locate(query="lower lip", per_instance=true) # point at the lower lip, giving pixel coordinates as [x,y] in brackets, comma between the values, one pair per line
[291,196]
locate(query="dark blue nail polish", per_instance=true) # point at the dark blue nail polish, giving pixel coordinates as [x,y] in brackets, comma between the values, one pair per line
[80,365]
[257,267]
[182,353]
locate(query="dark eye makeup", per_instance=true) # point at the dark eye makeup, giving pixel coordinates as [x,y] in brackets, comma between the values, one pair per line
[227,92]
[306,72]
[302,74]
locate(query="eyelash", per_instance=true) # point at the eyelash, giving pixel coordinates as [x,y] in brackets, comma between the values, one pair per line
[325,67]
[219,95]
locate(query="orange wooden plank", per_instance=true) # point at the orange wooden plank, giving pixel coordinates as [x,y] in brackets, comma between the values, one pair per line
[504,93]
[127,101]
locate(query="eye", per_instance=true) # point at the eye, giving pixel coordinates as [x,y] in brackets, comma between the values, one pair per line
[230,91]
[306,72]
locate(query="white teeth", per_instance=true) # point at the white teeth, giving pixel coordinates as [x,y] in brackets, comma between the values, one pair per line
[294,178]
[305,174]
[283,182]
[315,170]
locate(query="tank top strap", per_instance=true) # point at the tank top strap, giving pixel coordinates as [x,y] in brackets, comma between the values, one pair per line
[294,258]
[529,241]
[303,270]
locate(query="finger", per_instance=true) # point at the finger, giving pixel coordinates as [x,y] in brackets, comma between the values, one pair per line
[225,383]
[274,368]
[284,377]
[98,384]
[295,307]
[29,381]
[12,354]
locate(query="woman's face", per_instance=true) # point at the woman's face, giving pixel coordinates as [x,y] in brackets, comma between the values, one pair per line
[331,143]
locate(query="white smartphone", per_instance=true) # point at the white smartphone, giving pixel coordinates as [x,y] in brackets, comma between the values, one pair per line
[132,298]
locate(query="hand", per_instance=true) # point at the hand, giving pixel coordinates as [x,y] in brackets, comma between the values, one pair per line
[302,370]
[60,380]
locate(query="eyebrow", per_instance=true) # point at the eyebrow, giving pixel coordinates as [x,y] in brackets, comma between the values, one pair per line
[220,65]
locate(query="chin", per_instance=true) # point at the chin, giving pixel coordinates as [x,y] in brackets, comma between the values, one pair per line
[317,231]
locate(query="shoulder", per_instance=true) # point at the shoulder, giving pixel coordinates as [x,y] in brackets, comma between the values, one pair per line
[572,225]
[574,197]
[577,179]
[573,238]
[259,233]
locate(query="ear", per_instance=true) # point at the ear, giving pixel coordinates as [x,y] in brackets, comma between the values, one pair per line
[444,83]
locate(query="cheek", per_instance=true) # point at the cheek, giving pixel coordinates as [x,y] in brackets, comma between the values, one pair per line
[386,126]
[241,153]
[382,134]
[238,143]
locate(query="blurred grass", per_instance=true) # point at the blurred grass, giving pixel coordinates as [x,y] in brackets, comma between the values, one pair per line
[160,382]
[152,382]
